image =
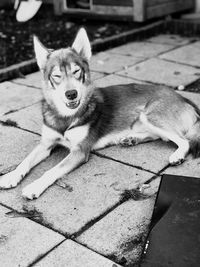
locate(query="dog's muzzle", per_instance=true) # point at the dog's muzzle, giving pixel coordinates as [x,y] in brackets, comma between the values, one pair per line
[72,101]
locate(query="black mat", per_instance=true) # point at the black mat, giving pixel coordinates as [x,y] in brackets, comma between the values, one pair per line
[174,239]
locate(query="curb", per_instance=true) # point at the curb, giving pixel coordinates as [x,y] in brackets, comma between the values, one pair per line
[30,66]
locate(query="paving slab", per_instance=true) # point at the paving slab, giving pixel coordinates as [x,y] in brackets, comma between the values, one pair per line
[190,167]
[122,233]
[155,160]
[187,54]
[72,254]
[114,79]
[33,79]
[141,49]
[162,72]
[22,240]
[14,97]
[172,39]
[81,196]
[29,118]
[14,146]
[194,97]
[97,75]
[108,63]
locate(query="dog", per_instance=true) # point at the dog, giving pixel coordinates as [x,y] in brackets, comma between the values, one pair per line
[83,118]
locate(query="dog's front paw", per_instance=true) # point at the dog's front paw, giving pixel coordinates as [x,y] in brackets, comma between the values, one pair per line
[10,180]
[34,190]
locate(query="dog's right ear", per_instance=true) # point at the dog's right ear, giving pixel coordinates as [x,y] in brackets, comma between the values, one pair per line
[41,52]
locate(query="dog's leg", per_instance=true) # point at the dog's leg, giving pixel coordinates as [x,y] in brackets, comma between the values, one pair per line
[183,144]
[12,178]
[42,151]
[72,161]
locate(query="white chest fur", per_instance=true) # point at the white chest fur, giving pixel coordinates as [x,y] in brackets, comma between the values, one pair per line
[71,137]
[76,135]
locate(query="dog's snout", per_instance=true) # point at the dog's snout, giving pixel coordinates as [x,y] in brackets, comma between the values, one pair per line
[71,94]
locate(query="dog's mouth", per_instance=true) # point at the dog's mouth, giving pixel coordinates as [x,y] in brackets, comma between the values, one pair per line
[73,104]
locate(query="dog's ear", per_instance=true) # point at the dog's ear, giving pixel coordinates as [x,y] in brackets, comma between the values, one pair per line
[82,44]
[41,52]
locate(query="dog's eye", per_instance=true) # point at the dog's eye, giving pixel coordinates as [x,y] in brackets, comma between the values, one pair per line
[56,78]
[77,73]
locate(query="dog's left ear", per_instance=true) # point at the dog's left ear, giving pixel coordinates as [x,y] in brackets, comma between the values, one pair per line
[82,44]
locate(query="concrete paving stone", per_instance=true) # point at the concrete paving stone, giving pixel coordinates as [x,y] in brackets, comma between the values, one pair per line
[187,54]
[122,233]
[79,197]
[14,97]
[113,79]
[154,160]
[159,71]
[96,75]
[15,145]
[33,79]
[190,167]
[109,63]
[72,254]
[29,118]
[141,49]
[194,97]
[171,39]
[22,240]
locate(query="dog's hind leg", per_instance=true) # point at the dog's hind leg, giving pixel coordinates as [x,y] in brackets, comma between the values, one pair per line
[183,144]
[72,161]
[40,152]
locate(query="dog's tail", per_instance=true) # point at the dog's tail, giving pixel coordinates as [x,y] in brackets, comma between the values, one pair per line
[193,133]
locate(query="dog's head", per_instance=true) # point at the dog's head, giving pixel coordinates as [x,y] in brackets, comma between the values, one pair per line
[66,73]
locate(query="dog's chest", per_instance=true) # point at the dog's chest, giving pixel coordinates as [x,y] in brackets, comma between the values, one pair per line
[76,135]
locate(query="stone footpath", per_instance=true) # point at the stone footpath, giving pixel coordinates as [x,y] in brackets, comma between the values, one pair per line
[96,216]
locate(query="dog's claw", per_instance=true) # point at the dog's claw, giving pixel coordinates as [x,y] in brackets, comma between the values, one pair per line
[176,163]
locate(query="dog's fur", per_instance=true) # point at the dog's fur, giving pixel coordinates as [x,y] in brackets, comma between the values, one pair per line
[84,118]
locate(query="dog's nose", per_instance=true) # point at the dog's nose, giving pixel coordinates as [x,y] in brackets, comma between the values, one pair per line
[71,94]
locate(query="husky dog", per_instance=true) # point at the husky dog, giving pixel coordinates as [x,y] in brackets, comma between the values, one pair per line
[84,118]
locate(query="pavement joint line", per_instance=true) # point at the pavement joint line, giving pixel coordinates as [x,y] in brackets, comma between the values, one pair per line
[135,79]
[40,257]
[122,162]
[180,63]
[174,47]
[15,110]
[10,123]
[154,177]
[125,196]
[93,250]
[75,241]
[149,82]
[27,85]
[34,220]
[72,237]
